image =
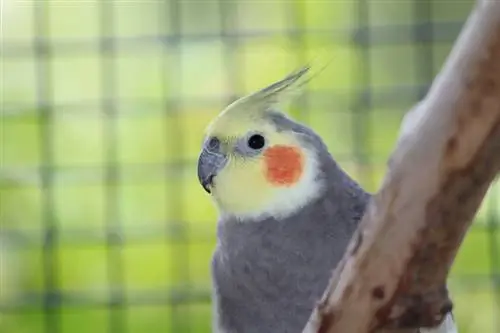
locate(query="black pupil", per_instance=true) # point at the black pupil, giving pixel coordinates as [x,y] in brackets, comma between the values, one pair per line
[256,141]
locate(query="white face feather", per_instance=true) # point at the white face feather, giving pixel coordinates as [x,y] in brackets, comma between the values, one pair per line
[282,202]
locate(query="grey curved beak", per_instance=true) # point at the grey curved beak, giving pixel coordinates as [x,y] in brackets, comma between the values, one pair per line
[209,165]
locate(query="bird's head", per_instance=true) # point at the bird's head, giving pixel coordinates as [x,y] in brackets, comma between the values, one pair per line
[256,162]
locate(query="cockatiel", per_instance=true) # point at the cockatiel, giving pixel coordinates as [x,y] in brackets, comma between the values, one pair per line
[287,212]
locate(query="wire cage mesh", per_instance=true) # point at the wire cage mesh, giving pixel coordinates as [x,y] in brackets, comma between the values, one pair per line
[103,225]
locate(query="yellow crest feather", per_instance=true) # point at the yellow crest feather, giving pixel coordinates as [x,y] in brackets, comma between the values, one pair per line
[254,104]
[276,93]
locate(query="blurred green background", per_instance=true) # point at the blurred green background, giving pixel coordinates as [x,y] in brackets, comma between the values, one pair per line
[104,227]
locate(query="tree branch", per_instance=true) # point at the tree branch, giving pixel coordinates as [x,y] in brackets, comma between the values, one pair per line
[448,153]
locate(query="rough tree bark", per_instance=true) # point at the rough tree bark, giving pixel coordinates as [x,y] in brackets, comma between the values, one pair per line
[448,153]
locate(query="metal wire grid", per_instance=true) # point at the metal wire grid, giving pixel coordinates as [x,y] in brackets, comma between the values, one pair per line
[425,32]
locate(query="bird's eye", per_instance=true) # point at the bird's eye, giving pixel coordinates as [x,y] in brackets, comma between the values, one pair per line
[213,144]
[256,141]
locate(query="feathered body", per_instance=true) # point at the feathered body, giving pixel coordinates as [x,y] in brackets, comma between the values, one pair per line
[268,274]
[287,213]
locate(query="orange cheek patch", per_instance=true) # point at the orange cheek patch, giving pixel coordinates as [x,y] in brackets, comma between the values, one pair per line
[284,165]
